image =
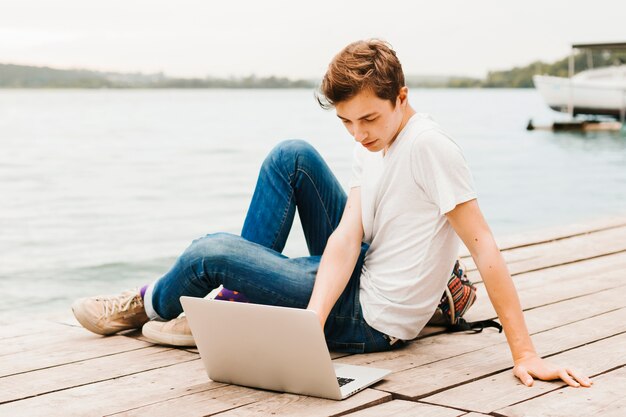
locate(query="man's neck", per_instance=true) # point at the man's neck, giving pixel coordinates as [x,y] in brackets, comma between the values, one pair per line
[408,113]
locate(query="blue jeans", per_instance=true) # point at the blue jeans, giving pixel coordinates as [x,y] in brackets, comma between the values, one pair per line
[292,176]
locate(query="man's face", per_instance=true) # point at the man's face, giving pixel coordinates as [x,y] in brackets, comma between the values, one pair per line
[372,121]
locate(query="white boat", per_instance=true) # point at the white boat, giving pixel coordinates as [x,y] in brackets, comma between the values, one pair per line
[600,91]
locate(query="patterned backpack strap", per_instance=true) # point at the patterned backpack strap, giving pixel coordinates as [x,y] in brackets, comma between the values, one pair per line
[458,297]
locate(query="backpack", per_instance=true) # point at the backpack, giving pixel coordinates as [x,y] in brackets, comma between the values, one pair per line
[457,298]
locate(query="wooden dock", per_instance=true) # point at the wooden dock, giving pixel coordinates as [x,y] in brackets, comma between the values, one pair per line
[571,284]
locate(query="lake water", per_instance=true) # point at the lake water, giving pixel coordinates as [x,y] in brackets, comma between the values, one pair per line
[101,190]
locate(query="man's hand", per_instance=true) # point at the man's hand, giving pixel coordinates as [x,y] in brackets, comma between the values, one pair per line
[527,368]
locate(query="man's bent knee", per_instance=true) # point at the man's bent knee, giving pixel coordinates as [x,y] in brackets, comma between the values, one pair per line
[215,247]
[288,153]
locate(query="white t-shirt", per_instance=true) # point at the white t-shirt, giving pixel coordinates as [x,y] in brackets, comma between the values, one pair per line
[404,197]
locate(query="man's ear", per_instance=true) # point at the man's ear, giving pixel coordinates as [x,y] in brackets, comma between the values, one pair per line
[403,95]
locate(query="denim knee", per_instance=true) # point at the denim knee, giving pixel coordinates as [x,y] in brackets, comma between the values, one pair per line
[288,153]
[193,274]
[214,248]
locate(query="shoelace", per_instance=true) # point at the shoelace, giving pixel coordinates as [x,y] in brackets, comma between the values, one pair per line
[118,304]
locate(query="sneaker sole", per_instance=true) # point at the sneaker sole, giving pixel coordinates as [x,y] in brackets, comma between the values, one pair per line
[167,338]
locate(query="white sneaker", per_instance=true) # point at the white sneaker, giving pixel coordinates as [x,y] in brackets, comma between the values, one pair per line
[175,332]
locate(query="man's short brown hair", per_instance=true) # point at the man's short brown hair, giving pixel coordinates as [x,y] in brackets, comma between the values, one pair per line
[361,65]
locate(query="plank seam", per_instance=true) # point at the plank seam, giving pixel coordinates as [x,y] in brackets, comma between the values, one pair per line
[563,385]
[555,265]
[563,300]
[573,262]
[24,335]
[437,391]
[230,409]
[182,396]
[563,237]
[36,332]
[584,344]
[371,404]
[93,382]
[395,396]
[575,297]
[615,368]
[76,361]
[374,403]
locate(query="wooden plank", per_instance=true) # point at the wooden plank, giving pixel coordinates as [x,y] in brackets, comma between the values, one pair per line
[302,406]
[573,310]
[66,318]
[233,400]
[421,381]
[204,403]
[568,250]
[71,375]
[547,234]
[558,283]
[25,328]
[540,319]
[54,333]
[68,345]
[118,394]
[503,389]
[540,291]
[606,398]
[407,409]
[532,258]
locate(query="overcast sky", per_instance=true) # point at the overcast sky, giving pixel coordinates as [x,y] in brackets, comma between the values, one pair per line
[297,39]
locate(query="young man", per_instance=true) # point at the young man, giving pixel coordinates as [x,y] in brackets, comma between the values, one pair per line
[380,256]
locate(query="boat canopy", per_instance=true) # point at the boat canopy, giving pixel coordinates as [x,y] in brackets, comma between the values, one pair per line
[605,45]
[590,47]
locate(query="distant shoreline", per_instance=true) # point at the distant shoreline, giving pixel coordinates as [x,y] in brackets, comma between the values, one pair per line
[22,76]
[26,77]
[3,88]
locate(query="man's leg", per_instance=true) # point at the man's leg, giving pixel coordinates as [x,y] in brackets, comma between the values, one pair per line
[264,275]
[292,175]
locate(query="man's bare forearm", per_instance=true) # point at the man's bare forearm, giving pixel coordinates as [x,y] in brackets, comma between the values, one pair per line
[504,298]
[336,266]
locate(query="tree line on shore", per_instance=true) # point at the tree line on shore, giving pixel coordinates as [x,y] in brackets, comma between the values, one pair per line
[21,76]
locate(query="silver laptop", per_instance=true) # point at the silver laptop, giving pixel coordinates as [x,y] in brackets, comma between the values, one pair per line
[275,348]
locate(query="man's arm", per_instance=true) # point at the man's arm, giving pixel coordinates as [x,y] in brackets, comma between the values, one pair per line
[339,258]
[469,223]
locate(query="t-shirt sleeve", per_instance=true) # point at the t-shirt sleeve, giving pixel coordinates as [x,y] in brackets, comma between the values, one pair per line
[357,167]
[440,169]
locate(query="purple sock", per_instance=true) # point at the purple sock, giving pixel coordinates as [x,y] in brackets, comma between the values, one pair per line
[142,291]
[227,295]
